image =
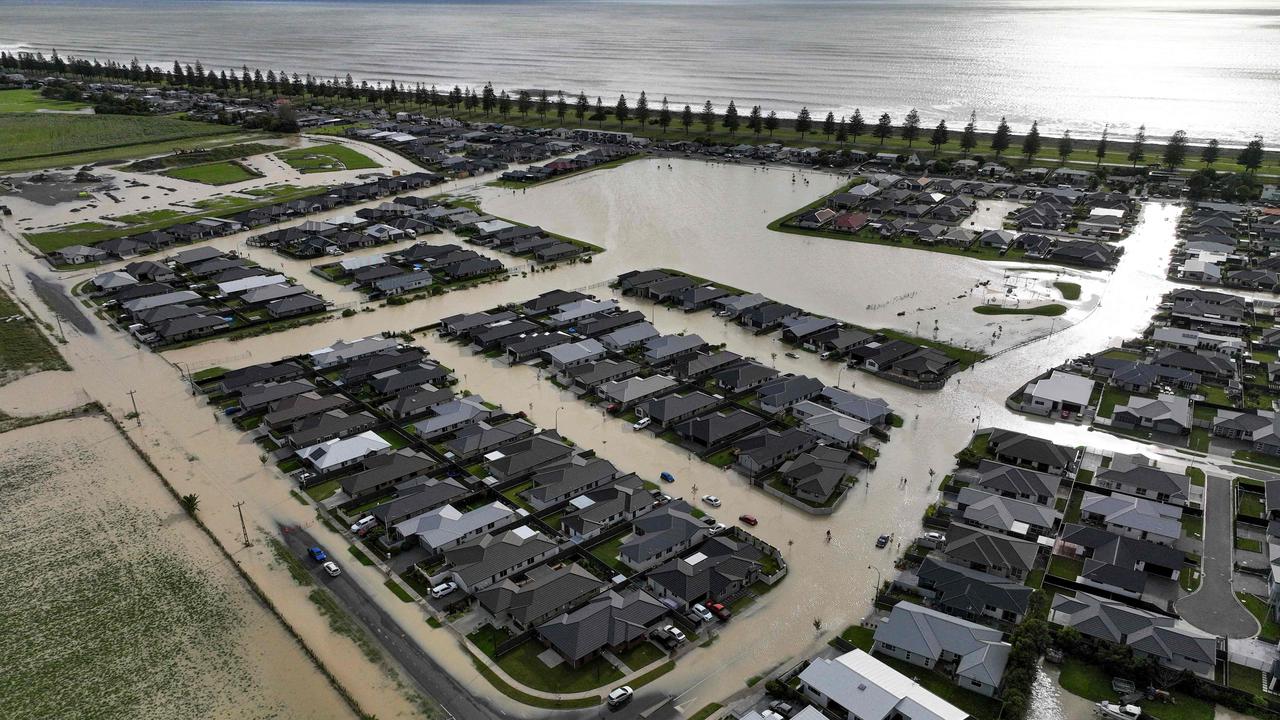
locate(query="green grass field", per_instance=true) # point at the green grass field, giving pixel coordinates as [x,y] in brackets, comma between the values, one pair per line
[58,139]
[23,348]
[326,158]
[1050,310]
[1069,290]
[25,101]
[225,172]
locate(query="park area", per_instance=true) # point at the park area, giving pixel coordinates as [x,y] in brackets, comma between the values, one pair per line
[25,101]
[35,140]
[326,158]
[117,605]
[214,173]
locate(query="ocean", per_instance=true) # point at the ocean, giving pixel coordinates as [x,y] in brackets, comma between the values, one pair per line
[1211,68]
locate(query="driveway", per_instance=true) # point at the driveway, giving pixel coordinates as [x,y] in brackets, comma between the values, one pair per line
[1214,607]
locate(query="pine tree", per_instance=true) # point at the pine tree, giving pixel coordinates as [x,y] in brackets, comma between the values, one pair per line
[969,137]
[940,136]
[829,124]
[664,115]
[771,122]
[803,122]
[708,116]
[1211,152]
[580,107]
[622,111]
[524,103]
[1175,152]
[488,98]
[911,127]
[1138,150]
[1031,141]
[1065,147]
[1101,150]
[857,125]
[544,104]
[842,131]
[1000,141]
[504,104]
[599,115]
[1251,157]
[686,118]
[731,119]
[562,107]
[755,121]
[884,128]
[642,110]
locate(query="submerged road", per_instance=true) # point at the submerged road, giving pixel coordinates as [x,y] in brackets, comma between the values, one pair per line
[1214,607]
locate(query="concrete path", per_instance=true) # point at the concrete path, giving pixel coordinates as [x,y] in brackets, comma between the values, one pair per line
[1214,607]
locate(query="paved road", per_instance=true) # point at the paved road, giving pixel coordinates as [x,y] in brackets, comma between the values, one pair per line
[432,680]
[1214,607]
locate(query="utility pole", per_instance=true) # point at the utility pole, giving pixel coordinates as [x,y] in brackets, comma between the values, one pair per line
[136,415]
[243,529]
[61,334]
[10,271]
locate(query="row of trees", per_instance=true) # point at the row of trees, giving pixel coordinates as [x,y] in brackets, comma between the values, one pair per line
[489,101]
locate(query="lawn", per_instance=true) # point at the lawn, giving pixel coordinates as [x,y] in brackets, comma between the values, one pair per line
[1247,679]
[1196,475]
[1256,457]
[58,137]
[1050,310]
[1092,683]
[1111,397]
[980,707]
[326,158]
[398,591]
[523,665]
[24,349]
[642,656]
[29,101]
[146,216]
[861,637]
[224,172]
[1200,439]
[607,553]
[1069,290]
[1189,579]
[324,490]
[722,458]
[1065,567]
[1193,525]
[1258,608]
[1248,545]
[1252,504]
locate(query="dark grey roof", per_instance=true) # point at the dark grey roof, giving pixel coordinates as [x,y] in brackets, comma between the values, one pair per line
[609,620]
[714,427]
[673,406]
[1031,449]
[975,545]
[380,469]
[960,589]
[418,496]
[709,570]
[656,532]
[542,591]
[481,559]
[1020,481]
[573,478]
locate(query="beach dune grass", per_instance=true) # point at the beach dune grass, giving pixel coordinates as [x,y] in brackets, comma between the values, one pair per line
[326,158]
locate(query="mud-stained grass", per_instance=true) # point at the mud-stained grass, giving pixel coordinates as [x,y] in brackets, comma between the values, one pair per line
[101,614]
[23,348]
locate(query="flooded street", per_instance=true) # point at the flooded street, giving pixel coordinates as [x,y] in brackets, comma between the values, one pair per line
[708,220]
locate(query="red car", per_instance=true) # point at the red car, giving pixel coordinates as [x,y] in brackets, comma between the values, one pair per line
[749,520]
[719,610]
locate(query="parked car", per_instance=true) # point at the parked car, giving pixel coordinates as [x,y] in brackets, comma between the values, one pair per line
[703,612]
[662,499]
[613,408]
[711,500]
[676,633]
[782,708]
[363,525]
[620,696]
[709,521]
[748,520]
[642,423]
[719,528]
[443,589]
[332,568]
[317,554]
[883,541]
[305,475]
[667,477]
[720,611]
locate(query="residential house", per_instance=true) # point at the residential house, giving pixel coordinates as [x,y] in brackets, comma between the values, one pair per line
[989,551]
[1036,453]
[721,568]
[447,526]
[492,558]
[1170,642]
[662,533]
[1016,482]
[524,601]
[614,621]
[856,686]
[1059,393]
[1166,413]
[972,594]
[1134,517]
[765,450]
[930,639]
[1132,475]
[815,476]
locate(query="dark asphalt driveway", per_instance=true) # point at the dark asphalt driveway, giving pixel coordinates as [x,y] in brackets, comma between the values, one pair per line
[1214,607]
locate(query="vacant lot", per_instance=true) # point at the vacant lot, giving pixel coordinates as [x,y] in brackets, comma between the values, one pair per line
[115,605]
[23,101]
[55,139]
[214,173]
[326,158]
[23,348]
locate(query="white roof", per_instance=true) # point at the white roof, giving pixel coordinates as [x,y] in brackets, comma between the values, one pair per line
[332,453]
[874,691]
[249,283]
[489,226]
[356,263]
[1063,387]
[155,301]
[114,279]
[446,524]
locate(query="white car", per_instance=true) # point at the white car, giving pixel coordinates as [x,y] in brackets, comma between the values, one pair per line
[642,423]
[620,696]
[703,612]
[362,525]
[332,568]
[676,633]
[443,589]
[719,528]
[711,500]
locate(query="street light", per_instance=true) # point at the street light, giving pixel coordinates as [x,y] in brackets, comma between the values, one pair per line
[557,425]
[879,582]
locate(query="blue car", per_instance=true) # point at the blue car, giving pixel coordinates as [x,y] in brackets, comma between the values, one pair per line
[317,554]
[667,477]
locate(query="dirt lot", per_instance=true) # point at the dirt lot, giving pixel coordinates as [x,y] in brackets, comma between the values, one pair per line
[116,605]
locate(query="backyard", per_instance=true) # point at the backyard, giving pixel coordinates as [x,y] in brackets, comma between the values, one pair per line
[525,667]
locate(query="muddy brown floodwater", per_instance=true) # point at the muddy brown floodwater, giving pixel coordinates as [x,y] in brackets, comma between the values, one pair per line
[708,220]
